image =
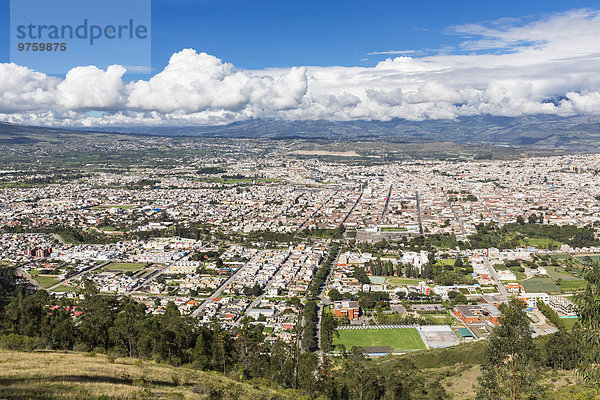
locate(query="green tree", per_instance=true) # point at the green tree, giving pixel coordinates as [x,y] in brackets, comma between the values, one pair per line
[458,263]
[329,325]
[588,306]
[362,381]
[511,358]
[98,317]
[360,275]
[127,326]
[334,295]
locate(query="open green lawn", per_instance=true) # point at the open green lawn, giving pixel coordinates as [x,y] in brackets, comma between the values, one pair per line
[46,281]
[65,289]
[125,266]
[405,339]
[542,243]
[537,285]
[402,281]
[392,229]
[572,285]
[569,322]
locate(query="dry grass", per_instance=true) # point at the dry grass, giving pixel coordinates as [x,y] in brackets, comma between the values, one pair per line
[462,385]
[560,385]
[52,375]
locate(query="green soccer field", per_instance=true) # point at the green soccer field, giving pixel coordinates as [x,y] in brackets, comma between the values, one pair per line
[404,339]
[125,266]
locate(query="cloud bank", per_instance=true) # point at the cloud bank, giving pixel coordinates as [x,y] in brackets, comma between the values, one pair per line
[547,66]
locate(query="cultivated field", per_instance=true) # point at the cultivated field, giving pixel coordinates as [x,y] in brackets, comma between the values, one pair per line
[539,285]
[402,339]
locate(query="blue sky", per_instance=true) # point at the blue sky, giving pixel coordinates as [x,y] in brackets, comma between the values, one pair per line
[263,34]
[216,62]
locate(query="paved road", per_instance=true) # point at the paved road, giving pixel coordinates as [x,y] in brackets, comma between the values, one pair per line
[494,276]
[353,207]
[386,205]
[315,212]
[79,275]
[491,270]
[419,213]
[149,279]
[21,272]
[324,301]
[217,292]
[258,299]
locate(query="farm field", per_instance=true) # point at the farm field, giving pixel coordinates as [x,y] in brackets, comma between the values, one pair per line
[573,284]
[559,273]
[537,285]
[403,339]
[593,257]
[125,266]
[560,256]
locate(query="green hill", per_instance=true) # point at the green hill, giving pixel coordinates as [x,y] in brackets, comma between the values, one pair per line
[70,375]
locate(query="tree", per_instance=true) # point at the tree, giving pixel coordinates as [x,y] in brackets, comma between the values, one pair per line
[329,325]
[98,319]
[533,218]
[460,299]
[588,308]
[248,350]
[127,326]
[511,358]
[458,263]
[334,295]
[562,349]
[520,220]
[361,275]
[362,382]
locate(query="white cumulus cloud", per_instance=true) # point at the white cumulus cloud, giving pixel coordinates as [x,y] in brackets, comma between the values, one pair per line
[505,67]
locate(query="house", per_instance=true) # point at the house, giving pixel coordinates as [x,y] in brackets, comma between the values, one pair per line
[531,299]
[346,308]
[257,312]
[472,314]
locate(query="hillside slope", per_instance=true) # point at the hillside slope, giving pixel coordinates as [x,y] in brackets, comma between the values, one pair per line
[70,375]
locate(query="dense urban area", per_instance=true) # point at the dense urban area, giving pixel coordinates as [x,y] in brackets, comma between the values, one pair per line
[274,260]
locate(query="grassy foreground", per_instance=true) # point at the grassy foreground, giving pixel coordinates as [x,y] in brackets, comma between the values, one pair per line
[53,375]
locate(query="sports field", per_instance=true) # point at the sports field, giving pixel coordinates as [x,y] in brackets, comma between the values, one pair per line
[401,339]
[402,281]
[124,266]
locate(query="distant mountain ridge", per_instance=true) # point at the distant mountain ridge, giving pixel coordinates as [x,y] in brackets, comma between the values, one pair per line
[541,131]
[575,133]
